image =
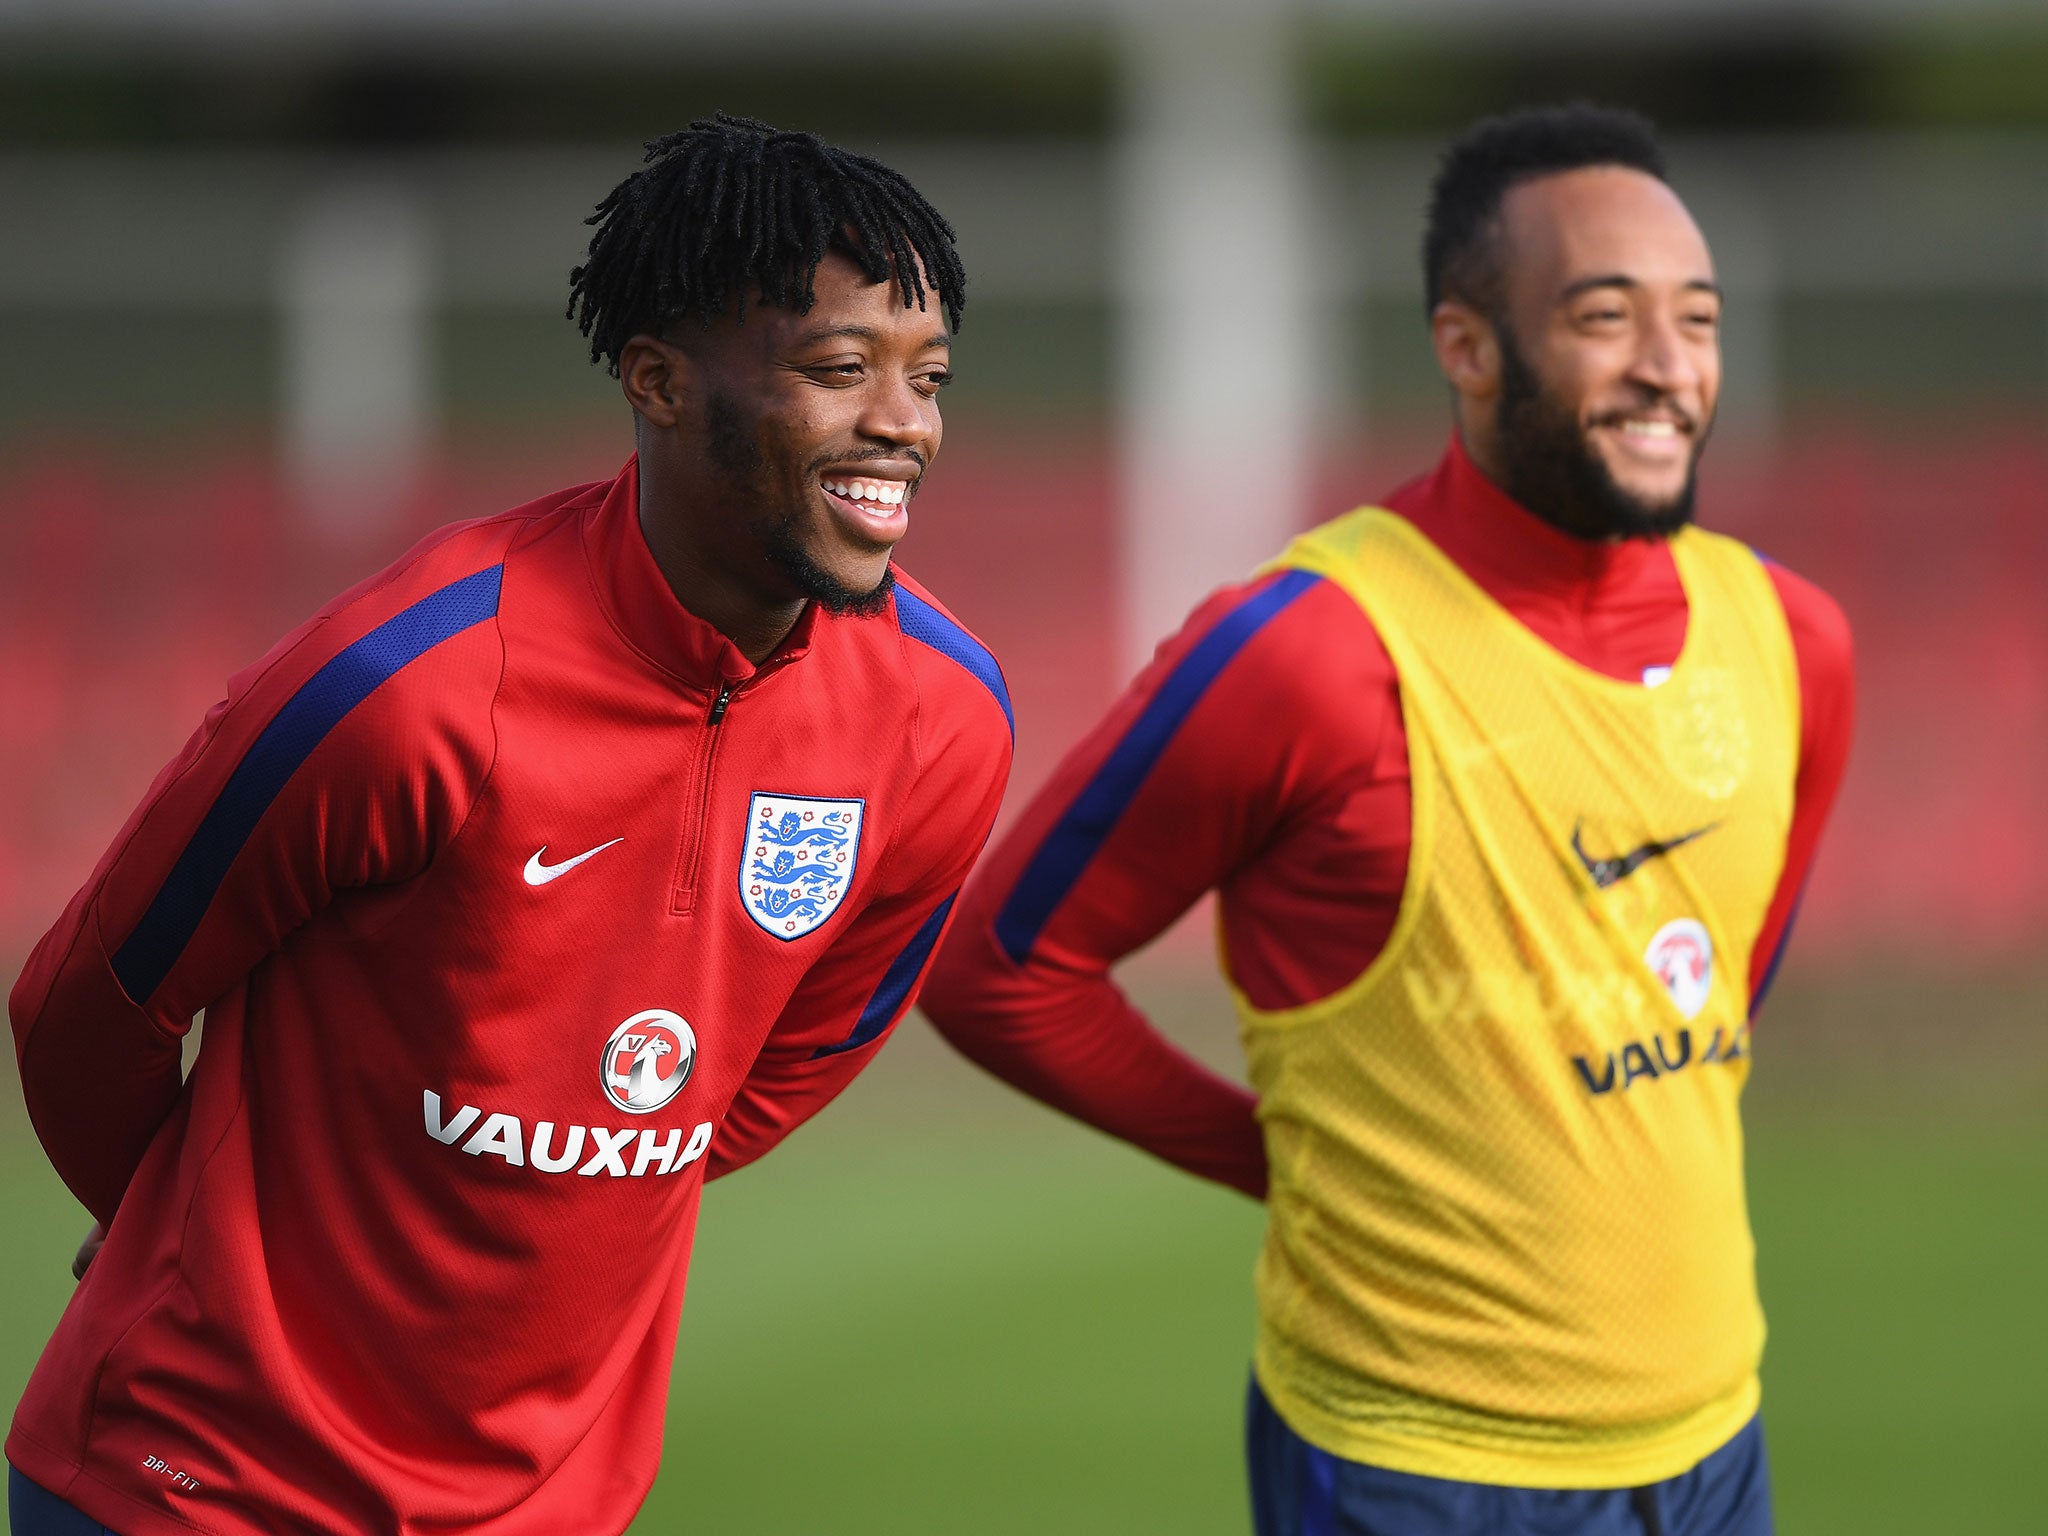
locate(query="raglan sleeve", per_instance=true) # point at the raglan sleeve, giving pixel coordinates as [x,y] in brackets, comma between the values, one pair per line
[849,1002]
[1824,653]
[318,772]
[1185,779]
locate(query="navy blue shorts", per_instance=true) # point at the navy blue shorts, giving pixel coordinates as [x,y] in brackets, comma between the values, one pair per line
[1299,1490]
[32,1510]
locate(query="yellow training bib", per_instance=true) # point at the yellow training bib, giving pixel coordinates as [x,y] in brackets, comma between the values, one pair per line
[1507,1237]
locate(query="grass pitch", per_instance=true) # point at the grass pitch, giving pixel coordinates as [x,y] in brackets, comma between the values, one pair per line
[1020,1327]
[941,1309]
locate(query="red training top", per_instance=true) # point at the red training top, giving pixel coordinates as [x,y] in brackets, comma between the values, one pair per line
[1278,777]
[519,904]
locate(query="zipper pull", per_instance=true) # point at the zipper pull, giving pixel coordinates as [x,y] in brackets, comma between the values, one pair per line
[718,705]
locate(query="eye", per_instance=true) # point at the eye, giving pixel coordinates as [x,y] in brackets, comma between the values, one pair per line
[932,383]
[837,371]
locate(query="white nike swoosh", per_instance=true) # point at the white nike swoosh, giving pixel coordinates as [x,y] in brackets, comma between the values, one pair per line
[538,873]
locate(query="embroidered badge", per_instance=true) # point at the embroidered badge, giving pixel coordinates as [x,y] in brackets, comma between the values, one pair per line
[799,860]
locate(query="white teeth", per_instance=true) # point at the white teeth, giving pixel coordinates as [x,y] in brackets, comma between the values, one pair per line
[1650,428]
[886,493]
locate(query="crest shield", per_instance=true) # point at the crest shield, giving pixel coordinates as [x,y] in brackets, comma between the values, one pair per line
[798,862]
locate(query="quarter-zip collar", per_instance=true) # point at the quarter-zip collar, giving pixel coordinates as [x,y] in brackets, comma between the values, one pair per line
[638,599]
[1498,541]
[1615,605]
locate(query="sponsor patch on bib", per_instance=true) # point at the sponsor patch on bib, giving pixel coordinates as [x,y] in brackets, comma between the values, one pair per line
[1681,956]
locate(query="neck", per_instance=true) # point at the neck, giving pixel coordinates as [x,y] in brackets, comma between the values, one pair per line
[1482,447]
[1617,607]
[1557,510]
[756,622]
[1468,512]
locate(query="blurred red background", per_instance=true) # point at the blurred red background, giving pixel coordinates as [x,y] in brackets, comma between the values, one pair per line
[131,588]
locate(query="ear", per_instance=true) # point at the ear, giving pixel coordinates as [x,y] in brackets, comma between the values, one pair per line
[657,380]
[1467,349]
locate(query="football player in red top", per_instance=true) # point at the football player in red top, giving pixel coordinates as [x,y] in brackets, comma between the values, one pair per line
[575,859]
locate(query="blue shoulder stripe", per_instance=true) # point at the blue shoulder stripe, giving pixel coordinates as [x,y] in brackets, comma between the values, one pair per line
[349,677]
[928,626]
[1101,804]
[896,984]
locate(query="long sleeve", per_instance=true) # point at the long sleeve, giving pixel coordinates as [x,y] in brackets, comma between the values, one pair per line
[308,780]
[1279,778]
[1825,655]
[1218,769]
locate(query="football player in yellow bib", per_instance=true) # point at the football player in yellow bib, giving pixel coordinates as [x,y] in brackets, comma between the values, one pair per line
[1508,788]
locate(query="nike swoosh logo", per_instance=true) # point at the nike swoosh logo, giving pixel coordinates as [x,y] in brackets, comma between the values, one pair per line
[1606,871]
[538,873]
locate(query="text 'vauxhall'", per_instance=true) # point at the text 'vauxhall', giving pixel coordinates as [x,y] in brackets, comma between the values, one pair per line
[624,1154]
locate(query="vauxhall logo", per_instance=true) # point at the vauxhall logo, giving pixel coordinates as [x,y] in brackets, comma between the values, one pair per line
[1637,1060]
[647,1061]
[644,1065]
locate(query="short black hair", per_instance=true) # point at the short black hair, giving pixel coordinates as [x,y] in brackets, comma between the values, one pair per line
[731,206]
[1460,254]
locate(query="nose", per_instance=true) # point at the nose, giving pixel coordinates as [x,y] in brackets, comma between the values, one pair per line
[1665,360]
[895,412]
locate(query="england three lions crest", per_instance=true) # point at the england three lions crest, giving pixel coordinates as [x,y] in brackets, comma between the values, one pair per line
[798,862]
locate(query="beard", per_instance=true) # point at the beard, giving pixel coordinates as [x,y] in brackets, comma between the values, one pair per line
[776,533]
[1550,468]
[785,551]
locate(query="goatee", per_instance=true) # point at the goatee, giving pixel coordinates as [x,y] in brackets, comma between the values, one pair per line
[741,462]
[786,552]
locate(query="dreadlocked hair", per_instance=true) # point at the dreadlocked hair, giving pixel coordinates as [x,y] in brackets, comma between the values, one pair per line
[731,206]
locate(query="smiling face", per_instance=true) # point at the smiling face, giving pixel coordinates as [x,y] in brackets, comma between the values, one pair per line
[1589,395]
[779,454]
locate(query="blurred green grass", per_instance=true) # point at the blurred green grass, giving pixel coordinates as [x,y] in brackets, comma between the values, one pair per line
[941,1309]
